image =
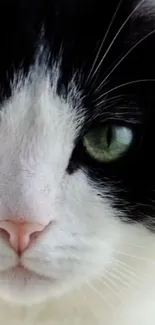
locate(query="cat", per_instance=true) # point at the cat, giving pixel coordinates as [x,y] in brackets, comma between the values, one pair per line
[77,166]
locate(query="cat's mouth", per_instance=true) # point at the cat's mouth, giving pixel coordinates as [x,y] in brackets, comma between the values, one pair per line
[22,270]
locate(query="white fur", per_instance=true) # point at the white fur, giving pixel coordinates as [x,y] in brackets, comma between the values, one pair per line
[88,267]
[146,8]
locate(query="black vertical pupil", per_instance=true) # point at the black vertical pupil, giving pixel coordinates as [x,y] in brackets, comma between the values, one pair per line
[109,135]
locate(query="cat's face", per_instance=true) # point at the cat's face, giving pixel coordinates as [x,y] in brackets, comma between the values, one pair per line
[76,138]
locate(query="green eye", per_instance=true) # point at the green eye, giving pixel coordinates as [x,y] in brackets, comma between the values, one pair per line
[107,144]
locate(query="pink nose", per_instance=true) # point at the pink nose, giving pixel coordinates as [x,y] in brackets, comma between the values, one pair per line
[20,233]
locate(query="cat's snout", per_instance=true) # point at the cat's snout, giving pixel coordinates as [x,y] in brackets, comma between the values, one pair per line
[21,234]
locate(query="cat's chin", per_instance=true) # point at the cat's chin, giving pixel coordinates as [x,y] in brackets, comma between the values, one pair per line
[22,286]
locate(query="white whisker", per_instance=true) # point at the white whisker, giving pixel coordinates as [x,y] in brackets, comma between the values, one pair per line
[117,98]
[93,73]
[129,267]
[124,85]
[126,269]
[114,285]
[127,276]
[100,295]
[118,278]
[109,286]
[141,258]
[118,33]
[123,58]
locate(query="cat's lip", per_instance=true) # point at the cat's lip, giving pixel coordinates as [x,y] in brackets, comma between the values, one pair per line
[20,268]
[23,270]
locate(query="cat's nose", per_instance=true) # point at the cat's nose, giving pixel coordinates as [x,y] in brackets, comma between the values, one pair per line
[21,234]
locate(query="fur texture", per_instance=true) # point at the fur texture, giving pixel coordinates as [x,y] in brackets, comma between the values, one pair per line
[67,67]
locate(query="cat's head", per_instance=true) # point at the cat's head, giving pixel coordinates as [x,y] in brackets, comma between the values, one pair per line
[77,117]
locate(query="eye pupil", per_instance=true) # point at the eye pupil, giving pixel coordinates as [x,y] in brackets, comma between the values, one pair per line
[109,136]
